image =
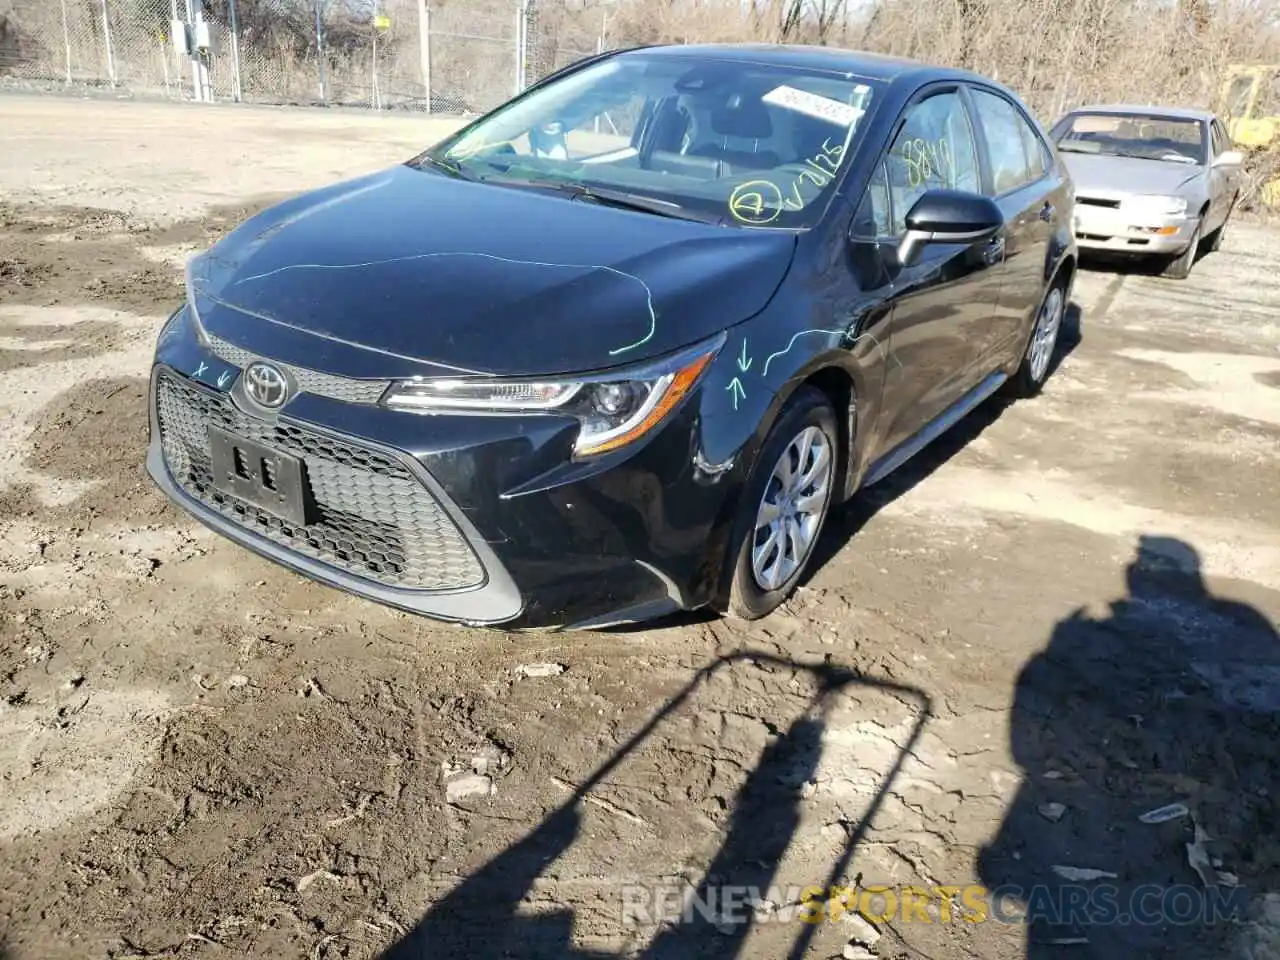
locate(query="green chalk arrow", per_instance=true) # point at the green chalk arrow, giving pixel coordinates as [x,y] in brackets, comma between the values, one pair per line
[735,388]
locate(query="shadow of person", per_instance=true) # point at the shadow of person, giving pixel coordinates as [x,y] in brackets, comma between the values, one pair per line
[1174,696]
[481,917]
[765,816]
[478,918]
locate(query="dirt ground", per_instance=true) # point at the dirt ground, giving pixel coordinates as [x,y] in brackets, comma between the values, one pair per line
[1060,618]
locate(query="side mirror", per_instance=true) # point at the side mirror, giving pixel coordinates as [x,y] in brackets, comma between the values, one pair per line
[948,216]
[1229,158]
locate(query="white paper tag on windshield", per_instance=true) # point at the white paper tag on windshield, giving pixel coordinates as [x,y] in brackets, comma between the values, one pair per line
[824,108]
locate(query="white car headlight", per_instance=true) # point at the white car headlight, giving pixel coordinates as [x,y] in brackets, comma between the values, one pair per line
[1155,205]
[614,408]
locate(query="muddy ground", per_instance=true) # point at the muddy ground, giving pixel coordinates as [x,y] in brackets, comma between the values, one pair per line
[1060,618]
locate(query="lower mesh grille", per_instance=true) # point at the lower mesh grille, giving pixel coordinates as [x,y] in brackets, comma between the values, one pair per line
[370,516]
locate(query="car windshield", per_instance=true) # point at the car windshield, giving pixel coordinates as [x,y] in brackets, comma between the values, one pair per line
[727,141]
[1148,137]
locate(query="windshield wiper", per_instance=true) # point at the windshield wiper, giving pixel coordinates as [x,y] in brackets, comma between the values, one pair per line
[453,169]
[1171,156]
[621,199]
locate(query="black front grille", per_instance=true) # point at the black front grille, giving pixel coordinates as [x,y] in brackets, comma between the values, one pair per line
[1098,202]
[370,516]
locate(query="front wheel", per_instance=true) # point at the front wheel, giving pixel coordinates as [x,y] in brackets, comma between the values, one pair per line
[784,505]
[1179,268]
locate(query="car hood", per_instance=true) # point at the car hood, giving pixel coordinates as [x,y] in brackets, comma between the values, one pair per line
[408,272]
[1112,176]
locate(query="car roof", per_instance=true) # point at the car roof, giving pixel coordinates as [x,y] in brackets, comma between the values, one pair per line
[1146,110]
[871,66]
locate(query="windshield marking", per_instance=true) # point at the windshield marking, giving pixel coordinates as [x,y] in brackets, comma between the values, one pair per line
[648,293]
[749,205]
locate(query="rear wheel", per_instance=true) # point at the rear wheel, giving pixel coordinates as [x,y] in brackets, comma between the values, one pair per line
[1034,369]
[785,505]
[1179,268]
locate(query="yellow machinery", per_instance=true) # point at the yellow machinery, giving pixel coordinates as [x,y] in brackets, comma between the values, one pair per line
[1251,110]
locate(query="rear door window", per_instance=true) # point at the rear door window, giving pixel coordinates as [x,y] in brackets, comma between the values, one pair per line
[1006,140]
[1034,148]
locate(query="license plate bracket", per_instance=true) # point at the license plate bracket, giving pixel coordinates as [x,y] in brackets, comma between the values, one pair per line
[267,478]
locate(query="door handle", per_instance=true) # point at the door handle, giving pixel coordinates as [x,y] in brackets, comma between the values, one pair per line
[1047,212]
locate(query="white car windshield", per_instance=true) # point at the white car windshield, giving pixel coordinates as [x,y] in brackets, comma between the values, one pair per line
[726,140]
[1172,139]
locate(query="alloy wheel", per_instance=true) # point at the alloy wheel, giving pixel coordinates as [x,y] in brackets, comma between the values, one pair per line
[1045,336]
[791,509]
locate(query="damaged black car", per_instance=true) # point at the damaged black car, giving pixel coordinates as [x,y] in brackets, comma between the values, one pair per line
[620,346]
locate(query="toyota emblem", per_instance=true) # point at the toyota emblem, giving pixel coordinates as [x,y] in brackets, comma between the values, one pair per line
[266,384]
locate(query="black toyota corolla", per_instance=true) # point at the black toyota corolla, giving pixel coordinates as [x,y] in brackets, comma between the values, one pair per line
[618,347]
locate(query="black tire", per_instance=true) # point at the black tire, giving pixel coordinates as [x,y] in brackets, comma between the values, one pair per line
[807,407]
[1179,268]
[1030,378]
[1215,238]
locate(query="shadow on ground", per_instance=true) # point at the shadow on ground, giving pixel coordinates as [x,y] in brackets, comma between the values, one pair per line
[1172,697]
[479,918]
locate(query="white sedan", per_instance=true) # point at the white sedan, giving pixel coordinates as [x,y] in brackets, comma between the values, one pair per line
[1149,181]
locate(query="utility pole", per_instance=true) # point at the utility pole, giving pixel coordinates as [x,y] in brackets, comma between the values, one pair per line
[197,37]
[522,17]
[320,52]
[106,35]
[66,39]
[424,49]
[235,52]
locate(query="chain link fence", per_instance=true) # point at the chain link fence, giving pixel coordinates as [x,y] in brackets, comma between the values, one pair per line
[437,56]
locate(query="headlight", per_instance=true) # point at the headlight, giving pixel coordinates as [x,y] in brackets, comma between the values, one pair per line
[613,409]
[1152,205]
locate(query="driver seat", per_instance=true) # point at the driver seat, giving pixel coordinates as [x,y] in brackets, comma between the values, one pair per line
[743,118]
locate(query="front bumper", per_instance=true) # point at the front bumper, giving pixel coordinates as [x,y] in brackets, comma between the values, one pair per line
[1112,230]
[460,518]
